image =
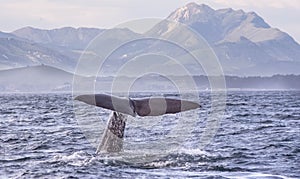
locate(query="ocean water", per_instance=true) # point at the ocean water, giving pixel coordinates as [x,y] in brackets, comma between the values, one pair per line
[258,137]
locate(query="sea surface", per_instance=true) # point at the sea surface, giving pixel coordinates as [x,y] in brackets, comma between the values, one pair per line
[258,137]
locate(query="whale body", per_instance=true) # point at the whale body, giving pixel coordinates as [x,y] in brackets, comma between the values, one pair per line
[112,139]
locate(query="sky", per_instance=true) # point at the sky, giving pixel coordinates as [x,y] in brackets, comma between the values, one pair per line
[49,14]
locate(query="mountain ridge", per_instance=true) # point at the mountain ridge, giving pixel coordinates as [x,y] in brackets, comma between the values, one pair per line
[65,36]
[243,42]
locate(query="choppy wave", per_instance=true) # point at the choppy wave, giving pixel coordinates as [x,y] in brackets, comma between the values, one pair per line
[258,138]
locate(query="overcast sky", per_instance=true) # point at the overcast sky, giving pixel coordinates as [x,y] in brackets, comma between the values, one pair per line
[48,14]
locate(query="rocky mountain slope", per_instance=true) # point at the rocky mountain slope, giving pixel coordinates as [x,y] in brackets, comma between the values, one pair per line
[243,41]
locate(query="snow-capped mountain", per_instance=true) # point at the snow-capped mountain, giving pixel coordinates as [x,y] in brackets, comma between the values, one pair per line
[225,24]
[243,41]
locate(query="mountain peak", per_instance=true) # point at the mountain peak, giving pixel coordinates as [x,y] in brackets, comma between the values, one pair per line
[194,5]
[190,11]
[28,29]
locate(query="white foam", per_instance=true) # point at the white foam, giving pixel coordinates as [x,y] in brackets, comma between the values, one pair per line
[79,158]
[250,175]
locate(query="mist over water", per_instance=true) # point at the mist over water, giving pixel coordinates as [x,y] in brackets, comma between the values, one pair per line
[259,137]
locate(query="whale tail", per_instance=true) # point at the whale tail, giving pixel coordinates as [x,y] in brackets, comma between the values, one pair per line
[112,140]
[141,106]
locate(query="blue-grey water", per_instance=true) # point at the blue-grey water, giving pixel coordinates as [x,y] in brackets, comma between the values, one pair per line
[258,137]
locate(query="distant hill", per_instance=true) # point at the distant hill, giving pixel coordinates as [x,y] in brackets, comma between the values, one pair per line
[44,78]
[15,52]
[35,79]
[60,48]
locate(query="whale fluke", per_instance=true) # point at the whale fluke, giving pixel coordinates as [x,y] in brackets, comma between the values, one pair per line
[112,140]
[141,106]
